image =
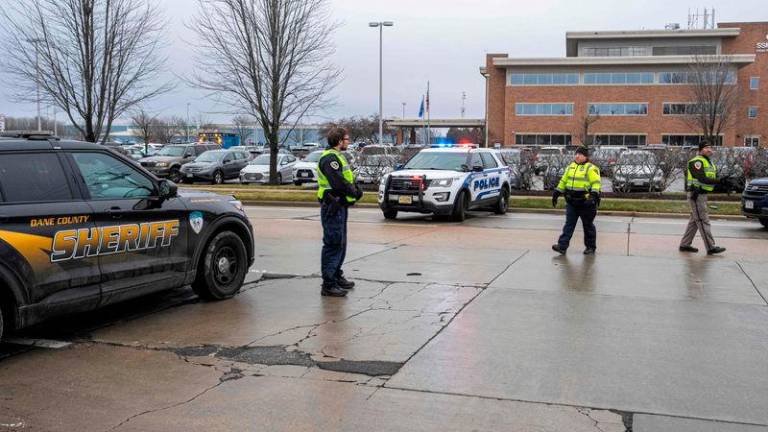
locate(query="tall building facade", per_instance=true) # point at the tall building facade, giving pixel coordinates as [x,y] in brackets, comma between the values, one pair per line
[633,87]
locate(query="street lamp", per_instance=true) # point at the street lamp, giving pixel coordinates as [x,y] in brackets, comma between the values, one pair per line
[37,81]
[381,25]
[186,128]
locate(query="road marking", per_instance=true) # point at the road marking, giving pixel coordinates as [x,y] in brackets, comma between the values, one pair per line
[39,343]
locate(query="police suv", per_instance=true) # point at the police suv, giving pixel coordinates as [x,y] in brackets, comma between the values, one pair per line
[82,227]
[447,180]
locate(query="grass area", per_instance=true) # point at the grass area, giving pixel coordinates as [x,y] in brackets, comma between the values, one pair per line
[633,205]
[255,194]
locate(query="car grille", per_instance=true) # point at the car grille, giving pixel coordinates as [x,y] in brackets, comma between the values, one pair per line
[148,164]
[253,176]
[304,173]
[407,185]
[755,191]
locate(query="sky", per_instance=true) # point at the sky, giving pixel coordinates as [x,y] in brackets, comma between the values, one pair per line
[440,41]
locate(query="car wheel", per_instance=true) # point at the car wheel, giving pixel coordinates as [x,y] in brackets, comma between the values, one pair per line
[764,221]
[175,175]
[222,268]
[297,183]
[218,178]
[503,204]
[460,207]
[390,214]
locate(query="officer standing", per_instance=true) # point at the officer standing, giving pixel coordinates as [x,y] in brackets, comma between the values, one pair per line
[581,186]
[337,191]
[701,179]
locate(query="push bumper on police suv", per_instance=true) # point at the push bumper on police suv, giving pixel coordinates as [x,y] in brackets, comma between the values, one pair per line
[415,194]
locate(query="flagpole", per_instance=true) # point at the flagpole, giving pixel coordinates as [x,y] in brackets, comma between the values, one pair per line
[429,127]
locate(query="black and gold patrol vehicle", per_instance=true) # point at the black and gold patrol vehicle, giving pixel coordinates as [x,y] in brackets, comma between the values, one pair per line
[82,227]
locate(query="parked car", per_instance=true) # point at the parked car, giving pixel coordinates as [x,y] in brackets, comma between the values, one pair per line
[754,201]
[257,170]
[545,156]
[520,161]
[253,151]
[638,170]
[167,162]
[606,158]
[733,164]
[215,166]
[556,168]
[372,168]
[305,170]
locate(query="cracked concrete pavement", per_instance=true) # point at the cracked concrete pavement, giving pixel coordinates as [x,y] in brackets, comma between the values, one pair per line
[472,326]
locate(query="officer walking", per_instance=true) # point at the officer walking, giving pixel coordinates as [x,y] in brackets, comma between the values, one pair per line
[581,186]
[701,179]
[337,191]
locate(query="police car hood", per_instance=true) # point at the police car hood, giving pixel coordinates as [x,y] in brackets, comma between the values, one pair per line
[759,182]
[192,194]
[430,174]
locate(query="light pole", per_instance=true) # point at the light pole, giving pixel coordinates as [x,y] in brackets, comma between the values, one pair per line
[381,25]
[37,81]
[404,109]
[186,129]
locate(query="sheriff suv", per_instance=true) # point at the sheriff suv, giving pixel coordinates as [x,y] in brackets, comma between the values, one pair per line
[82,227]
[447,180]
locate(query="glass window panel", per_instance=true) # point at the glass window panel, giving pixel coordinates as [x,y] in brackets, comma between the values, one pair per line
[590,78]
[543,140]
[647,78]
[545,79]
[558,140]
[616,140]
[754,83]
[530,79]
[573,78]
[618,78]
[604,78]
[558,79]
[33,177]
[517,79]
[631,140]
[633,78]
[109,178]
[545,109]
[752,112]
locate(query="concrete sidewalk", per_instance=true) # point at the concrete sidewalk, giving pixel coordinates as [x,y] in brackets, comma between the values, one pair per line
[473,326]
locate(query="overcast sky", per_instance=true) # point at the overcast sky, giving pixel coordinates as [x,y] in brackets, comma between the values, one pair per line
[441,41]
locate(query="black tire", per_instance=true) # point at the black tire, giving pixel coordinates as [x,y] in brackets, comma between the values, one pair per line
[279,178]
[2,323]
[503,204]
[460,207]
[390,214]
[764,221]
[218,178]
[175,175]
[297,183]
[222,268]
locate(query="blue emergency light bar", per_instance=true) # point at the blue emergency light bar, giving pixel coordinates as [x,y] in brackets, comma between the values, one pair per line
[453,146]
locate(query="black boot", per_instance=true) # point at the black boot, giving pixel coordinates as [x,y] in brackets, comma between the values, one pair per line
[333,290]
[558,249]
[343,283]
[690,249]
[589,251]
[716,250]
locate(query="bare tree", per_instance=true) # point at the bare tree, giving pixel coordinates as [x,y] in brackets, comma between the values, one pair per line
[165,129]
[714,95]
[269,56]
[585,123]
[242,126]
[93,59]
[143,122]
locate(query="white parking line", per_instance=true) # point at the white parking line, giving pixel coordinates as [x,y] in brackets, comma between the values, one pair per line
[38,343]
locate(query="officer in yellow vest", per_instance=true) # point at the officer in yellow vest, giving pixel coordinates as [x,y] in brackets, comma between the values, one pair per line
[337,191]
[701,179]
[581,186]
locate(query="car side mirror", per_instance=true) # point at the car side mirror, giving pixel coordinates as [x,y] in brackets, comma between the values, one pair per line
[227,161]
[167,189]
[398,167]
[477,168]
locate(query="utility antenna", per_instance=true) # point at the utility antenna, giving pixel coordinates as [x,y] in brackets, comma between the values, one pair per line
[463,104]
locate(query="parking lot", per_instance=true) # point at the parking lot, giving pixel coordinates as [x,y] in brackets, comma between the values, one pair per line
[472,326]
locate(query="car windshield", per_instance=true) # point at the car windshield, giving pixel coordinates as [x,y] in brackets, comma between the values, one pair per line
[511,157]
[639,158]
[313,157]
[211,156]
[451,161]
[261,160]
[376,160]
[171,151]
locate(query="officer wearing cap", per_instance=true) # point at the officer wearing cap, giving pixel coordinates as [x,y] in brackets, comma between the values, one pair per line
[581,186]
[337,191]
[701,179]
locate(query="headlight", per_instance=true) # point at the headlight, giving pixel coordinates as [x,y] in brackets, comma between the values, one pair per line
[442,182]
[161,164]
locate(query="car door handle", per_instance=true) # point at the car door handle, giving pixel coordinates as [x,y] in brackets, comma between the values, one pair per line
[115,212]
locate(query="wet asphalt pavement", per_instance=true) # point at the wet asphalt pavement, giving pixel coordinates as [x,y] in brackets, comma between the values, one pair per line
[473,326]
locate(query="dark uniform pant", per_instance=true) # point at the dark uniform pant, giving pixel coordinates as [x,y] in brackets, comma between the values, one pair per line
[587,211]
[334,220]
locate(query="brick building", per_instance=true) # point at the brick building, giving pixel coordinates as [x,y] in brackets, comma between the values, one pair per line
[635,81]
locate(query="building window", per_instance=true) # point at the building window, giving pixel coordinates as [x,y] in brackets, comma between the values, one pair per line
[754,83]
[606,109]
[543,139]
[752,141]
[752,112]
[631,51]
[691,78]
[544,109]
[679,108]
[686,140]
[602,78]
[543,79]
[685,50]
[619,140]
